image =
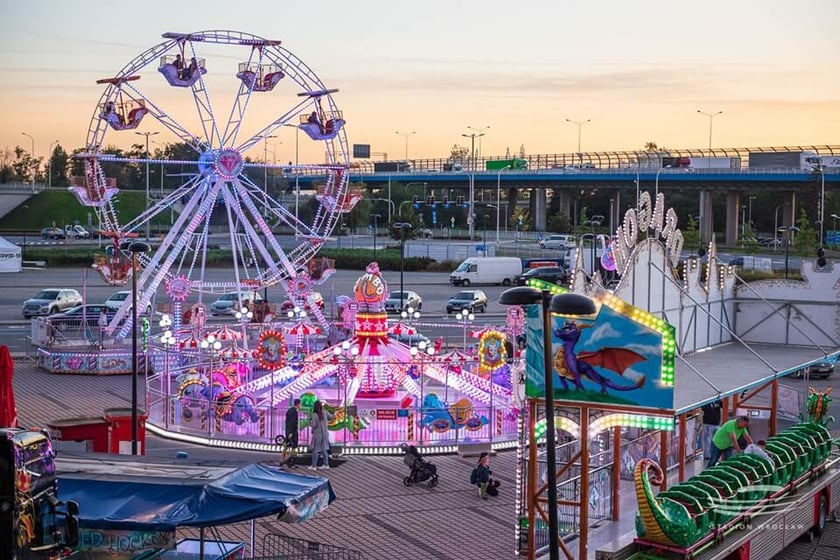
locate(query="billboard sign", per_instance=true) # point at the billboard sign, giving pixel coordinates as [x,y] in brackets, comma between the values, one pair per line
[361,151]
[621,356]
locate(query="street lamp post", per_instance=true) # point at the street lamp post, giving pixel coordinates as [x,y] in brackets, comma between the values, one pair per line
[656,186]
[25,207]
[134,248]
[788,231]
[471,219]
[375,226]
[566,304]
[406,135]
[480,131]
[297,174]
[32,139]
[499,199]
[711,118]
[776,229]
[49,164]
[402,227]
[147,134]
[580,126]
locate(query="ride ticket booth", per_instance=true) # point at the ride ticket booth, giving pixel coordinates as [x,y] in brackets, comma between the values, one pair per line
[118,421]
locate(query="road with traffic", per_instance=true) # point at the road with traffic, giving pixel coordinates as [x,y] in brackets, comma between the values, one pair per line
[433,287]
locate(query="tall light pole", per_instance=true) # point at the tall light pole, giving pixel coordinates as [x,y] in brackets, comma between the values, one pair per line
[265,173]
[147,134]
[49,164]
[32,139]
[821,168]
[375,226]
[499,200]
[788,231]
[711,118]
[471,219]
[580,126]
[568,304]
[297,182]
[402,227]
[776,226]
[135,248]
[406,135]
[480,131]
[656,186]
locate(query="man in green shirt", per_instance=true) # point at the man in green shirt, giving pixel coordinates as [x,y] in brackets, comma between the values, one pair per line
[726,439]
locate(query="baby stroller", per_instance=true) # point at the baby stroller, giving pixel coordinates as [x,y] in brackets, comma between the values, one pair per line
[421,470]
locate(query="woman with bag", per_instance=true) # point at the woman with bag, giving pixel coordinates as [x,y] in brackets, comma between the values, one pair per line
[320,442]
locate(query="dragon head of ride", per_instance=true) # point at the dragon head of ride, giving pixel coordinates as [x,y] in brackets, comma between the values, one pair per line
[817,406]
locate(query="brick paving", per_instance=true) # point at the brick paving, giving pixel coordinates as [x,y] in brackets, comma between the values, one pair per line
[373,513]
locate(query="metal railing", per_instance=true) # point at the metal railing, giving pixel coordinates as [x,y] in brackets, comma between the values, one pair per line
[282,547]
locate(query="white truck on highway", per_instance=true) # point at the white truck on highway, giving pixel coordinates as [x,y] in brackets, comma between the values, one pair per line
[715,163]
[804,160]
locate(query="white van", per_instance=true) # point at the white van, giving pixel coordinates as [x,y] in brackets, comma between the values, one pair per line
[557,241]
[487,270]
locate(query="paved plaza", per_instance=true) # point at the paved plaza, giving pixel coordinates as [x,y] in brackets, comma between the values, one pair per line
[374,512]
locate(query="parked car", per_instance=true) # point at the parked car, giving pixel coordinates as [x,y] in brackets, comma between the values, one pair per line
[409,339]
[53,233]
[76,232]
[289,305]
[51,301]
[554,274]
[424,233]
[117,298]
[471,300]
[820,369]
[409,299]
[557,241]
[230,303]
[74,317]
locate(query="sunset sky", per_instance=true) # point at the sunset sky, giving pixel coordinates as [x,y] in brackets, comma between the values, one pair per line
[638,70]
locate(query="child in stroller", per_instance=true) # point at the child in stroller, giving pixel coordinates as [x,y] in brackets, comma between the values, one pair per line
[421,470]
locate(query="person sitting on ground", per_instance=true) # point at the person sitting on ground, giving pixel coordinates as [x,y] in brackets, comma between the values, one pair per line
[759,449]
[726,438]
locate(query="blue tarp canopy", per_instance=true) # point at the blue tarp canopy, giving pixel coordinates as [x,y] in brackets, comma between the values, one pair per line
[145,502]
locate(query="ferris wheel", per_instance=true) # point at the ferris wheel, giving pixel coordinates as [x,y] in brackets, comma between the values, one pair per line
[166,90]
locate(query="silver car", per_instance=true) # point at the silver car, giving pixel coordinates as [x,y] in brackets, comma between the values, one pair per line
[229,304]
[51,301]
[409,299]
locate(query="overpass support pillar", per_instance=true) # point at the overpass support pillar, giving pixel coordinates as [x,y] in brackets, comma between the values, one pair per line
[565,201]
[733,217]
[707,218]
[513,197]
[538,209]
[789,211]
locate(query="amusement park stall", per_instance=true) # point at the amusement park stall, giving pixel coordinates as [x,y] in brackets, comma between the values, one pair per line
[132,509]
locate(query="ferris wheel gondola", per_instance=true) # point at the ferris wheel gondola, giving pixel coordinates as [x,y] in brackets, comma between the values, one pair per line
[219,203]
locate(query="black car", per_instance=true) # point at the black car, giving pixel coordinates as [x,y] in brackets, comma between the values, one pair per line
[553,274]
[470,300]
[87,314]
[821,369]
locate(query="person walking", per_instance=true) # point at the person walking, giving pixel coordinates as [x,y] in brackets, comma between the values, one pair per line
[292,429]
[725,440]
[320,438]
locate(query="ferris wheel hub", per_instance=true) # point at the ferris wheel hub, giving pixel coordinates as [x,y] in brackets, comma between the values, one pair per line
[226,163]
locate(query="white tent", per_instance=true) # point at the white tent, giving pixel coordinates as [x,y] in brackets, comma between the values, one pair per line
[10,256]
